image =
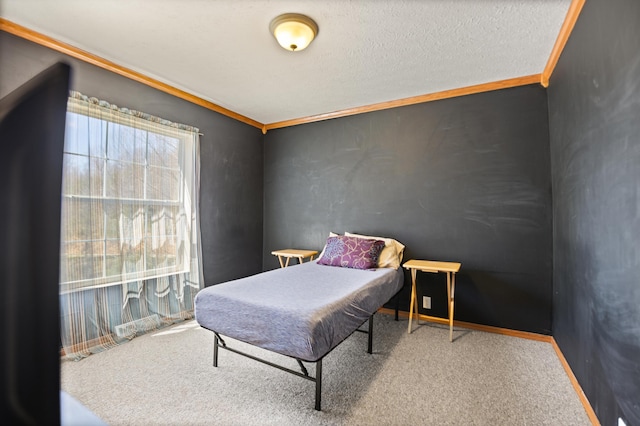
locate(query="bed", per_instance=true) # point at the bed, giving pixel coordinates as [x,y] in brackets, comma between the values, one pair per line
[302,311]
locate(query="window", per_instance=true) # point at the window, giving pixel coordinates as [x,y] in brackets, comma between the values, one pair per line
[126,201]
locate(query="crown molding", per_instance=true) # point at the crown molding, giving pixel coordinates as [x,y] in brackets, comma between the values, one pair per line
[463,91]
[565,31]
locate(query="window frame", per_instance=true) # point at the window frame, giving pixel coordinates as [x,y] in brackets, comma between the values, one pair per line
[110,118]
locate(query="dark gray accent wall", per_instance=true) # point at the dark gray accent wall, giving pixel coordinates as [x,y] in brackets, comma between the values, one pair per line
[594,107]
[231,154]
[464,179]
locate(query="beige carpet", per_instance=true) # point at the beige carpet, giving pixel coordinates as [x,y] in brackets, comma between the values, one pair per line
[167,378]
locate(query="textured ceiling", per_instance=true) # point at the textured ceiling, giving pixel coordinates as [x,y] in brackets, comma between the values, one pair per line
[366,52]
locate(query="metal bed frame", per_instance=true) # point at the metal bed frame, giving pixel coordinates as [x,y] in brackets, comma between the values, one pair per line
[219,343]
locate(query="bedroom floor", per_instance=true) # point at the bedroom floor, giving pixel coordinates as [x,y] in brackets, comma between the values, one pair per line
[167,378]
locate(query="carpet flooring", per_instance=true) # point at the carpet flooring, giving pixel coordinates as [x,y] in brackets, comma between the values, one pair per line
[167,378]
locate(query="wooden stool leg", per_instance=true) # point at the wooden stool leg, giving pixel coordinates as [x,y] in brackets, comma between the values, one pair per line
[413,297]
[451,288]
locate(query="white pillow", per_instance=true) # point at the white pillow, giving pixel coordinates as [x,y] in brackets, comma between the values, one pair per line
[391,255]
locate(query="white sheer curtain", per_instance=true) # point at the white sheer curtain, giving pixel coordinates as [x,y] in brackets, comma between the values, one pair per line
[130,256]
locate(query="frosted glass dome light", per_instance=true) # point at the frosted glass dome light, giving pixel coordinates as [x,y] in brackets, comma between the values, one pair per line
[293,31]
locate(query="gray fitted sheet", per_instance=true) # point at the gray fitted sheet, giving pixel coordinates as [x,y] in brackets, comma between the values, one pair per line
[303,311]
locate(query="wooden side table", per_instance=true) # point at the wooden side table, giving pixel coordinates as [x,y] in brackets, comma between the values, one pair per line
[289,253]
[450,268]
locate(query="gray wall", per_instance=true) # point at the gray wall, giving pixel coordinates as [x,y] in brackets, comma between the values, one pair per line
[594,107]
[231,154]
[464,179]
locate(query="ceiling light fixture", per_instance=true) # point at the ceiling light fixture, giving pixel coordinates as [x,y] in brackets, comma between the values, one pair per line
[293,31]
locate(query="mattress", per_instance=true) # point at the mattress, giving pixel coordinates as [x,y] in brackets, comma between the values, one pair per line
[302,311]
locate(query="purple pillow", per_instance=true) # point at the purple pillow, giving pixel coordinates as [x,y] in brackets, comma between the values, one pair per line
[351,252]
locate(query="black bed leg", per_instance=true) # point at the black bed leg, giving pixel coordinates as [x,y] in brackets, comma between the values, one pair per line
[215,351]
[318,384]
[370,335]
[397,304]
